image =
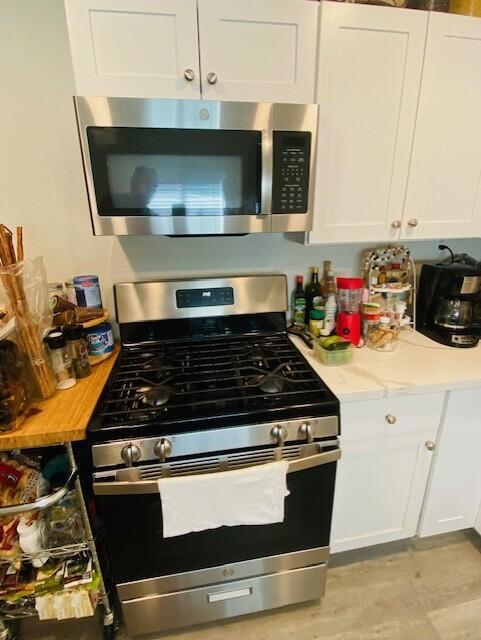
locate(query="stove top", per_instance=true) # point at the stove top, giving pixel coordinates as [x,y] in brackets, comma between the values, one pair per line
[216,381]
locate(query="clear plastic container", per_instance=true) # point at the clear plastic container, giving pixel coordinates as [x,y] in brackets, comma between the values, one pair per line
[383,335]
[333,358]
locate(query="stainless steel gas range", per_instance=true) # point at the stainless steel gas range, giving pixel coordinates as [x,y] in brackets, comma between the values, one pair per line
[208,380]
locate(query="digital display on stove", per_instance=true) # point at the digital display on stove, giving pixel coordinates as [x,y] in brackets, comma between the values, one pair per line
[218,297]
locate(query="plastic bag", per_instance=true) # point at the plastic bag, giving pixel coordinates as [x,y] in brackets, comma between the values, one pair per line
[24,305]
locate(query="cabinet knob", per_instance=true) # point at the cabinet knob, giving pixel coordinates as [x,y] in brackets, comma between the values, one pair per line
[212,77]
[430,445]
[189,75]
[390,419]
[279,434]
[412,223]
[396,224]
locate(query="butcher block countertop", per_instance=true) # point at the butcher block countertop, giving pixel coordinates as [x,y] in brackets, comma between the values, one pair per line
[65,416]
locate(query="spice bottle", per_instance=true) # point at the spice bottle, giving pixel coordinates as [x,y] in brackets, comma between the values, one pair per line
[78,351]
[61,360]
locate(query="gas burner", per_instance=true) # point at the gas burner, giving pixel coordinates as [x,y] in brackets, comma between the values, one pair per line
[161,365]
[268,382]
[156,396]
[259,356]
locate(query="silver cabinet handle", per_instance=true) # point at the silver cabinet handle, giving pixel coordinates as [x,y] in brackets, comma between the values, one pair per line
[212,77]
[390,419]
[396,224]
[412,223]
[189,75]
[430,445]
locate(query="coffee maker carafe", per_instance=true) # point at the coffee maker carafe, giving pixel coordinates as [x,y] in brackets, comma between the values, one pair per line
[447,304]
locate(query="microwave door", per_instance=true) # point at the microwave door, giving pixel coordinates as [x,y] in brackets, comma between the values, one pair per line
[194,179]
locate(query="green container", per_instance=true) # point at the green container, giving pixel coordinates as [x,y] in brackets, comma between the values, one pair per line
[334,358]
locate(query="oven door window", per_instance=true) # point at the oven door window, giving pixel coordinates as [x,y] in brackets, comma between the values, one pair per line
[138,549]
[175,172]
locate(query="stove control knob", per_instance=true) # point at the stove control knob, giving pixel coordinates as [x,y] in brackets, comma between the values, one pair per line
[163,449]
[130,454]
[279,434]
[305,431]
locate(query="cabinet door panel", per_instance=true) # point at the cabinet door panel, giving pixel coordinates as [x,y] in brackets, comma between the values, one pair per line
[369,74]
[134,49]
[384,468]
[454,493]
[260,51]
[444,182]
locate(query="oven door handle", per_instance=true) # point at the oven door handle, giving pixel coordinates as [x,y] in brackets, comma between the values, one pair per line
[151,486]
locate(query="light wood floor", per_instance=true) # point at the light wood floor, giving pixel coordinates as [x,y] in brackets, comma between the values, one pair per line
[426,589]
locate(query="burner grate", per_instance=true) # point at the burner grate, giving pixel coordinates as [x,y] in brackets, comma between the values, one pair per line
[241,375]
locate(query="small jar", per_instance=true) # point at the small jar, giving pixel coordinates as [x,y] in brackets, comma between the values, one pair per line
[70,292]
[61,360]
[55,291]
[383,335]
[78,351]
[316,322]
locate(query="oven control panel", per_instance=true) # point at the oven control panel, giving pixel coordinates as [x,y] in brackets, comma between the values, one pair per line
[216,297]
[290,171]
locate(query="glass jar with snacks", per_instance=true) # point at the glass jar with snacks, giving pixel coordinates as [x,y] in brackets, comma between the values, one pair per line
[316,322]
[383,335]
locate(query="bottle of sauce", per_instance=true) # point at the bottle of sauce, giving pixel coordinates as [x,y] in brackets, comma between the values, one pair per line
[325,277]
[299,304]
[314,298]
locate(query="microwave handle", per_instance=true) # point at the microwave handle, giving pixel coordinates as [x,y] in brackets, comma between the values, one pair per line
[267,147]
[146,487]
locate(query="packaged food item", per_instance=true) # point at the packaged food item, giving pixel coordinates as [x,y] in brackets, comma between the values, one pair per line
[78,570]
[32,539]
[316,322]
[64,522]
[70,292]
[15,388]
[100,339]
[87,290]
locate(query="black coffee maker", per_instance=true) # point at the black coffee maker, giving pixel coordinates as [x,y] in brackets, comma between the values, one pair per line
[448,308]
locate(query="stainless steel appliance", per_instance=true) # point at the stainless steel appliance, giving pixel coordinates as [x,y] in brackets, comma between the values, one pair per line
[209,380]
[448,299]
[192,167]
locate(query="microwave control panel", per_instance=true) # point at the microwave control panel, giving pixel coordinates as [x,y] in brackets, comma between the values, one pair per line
[290,171]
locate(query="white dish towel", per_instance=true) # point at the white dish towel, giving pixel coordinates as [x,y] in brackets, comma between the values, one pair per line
[250,496]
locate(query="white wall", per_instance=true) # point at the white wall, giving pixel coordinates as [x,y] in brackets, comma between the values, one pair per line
[41,180]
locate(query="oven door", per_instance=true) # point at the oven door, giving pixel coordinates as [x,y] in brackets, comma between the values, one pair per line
[132,515]
[190,167]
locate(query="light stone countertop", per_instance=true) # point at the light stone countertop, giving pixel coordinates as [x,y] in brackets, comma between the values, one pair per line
[418,365]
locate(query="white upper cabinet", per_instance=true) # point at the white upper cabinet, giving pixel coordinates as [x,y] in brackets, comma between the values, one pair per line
[444,191]
[381,477]
[258,50]
[454,494]
[134,48]
[369,74]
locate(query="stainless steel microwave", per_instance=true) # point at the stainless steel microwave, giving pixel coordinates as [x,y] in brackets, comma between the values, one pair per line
[192,167]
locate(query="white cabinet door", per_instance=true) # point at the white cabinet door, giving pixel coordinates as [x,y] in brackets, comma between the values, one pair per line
[454,492]
[258,51]
[145,48]
[370,64]
[444,194]
[382,475]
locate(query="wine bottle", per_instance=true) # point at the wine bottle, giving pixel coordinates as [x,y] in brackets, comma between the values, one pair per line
[314,299]
[299,303]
